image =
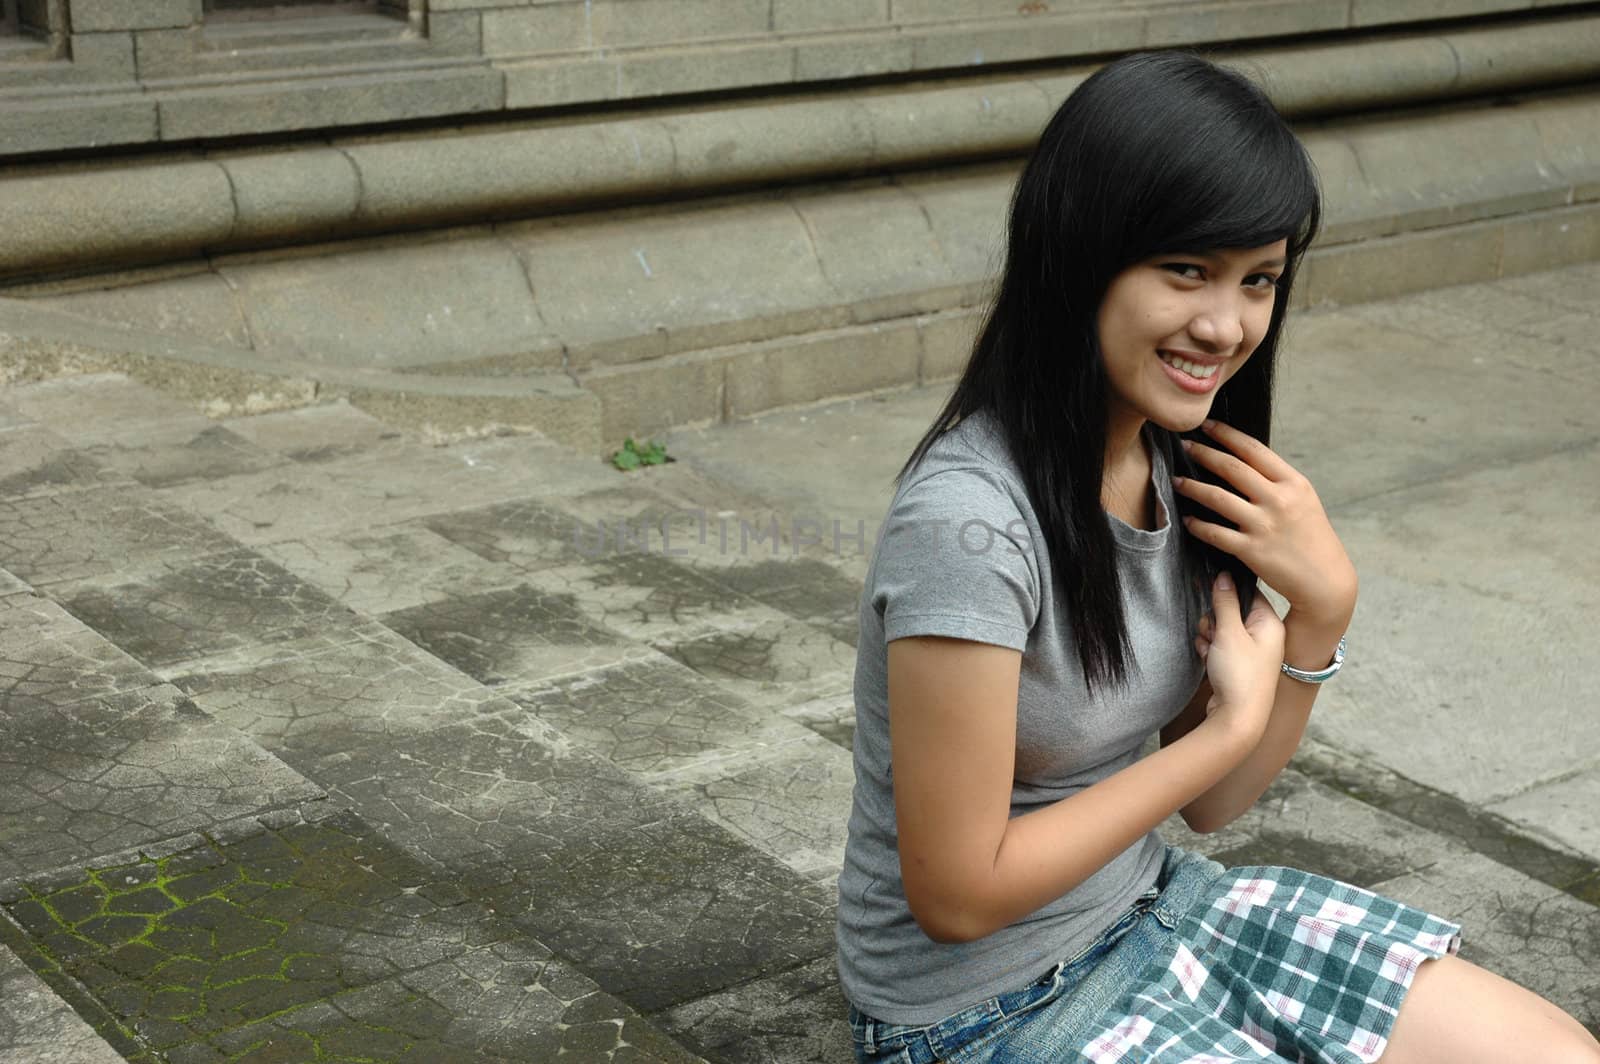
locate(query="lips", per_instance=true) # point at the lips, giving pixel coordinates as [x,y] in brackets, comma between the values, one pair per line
[1191,375]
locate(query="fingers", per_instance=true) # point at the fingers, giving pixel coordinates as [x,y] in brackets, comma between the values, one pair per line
[1252,450]
[1234,470]
[1226,539]
[1224,604]
[1217,498]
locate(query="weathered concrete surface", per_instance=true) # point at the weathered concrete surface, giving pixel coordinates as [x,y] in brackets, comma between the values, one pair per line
[584,737]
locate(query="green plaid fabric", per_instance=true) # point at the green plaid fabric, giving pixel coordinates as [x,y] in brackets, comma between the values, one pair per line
[1279,965]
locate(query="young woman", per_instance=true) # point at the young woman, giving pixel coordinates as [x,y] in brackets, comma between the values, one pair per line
[1039,602]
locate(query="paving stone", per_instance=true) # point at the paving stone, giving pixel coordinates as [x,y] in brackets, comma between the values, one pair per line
[649,597]
[74,535]
[37,1027]
[807,589]
[181,610]
[376,682]
[364,491]
[1532,934]
[102,408]
[401,567]
[503,1003]
[1565,808]
[36,461]
[774,664]
[791,801]
[795,1017]
[526,535]
[49,656]
[518,635]
[1526,581]
[184,453]
[654,717]
[12,585]
[315,433]
[667,911]
[1477,829]
[832,717]
[321,936]
[122,769]
[659,904]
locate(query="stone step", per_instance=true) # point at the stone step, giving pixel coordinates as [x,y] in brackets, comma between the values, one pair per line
[598,326]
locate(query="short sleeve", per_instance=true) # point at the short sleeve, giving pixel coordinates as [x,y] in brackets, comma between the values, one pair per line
[956,560]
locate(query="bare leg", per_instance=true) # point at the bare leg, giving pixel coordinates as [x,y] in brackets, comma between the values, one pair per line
[1459,1013]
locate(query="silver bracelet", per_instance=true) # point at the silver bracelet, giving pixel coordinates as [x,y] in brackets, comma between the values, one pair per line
[1320,675]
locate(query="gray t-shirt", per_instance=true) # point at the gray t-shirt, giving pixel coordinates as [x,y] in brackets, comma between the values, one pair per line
[933,573]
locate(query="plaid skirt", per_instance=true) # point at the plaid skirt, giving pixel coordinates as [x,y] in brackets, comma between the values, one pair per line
[1278,965]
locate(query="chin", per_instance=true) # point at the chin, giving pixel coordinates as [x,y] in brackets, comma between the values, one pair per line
[1181,421]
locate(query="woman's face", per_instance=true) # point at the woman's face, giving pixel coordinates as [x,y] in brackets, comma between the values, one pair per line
[1175,327]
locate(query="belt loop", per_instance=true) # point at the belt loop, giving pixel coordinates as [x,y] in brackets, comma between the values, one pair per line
[871,1036]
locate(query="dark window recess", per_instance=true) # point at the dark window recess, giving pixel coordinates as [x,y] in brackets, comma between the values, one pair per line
[296,9]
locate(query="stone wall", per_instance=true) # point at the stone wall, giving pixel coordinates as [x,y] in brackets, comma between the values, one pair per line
[86,74]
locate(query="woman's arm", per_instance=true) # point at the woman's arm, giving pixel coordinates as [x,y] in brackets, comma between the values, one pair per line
[970,868]
[1307,645]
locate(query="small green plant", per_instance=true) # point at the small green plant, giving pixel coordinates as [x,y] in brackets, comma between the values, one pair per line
[632,455]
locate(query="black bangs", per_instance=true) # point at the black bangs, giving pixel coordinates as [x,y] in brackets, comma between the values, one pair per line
[1204,163]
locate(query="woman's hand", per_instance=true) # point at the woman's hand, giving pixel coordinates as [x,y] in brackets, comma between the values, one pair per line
[1242,659]
[1283,534]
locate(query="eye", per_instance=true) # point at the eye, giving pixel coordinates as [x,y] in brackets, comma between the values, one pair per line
[1261,281]
[1187,270]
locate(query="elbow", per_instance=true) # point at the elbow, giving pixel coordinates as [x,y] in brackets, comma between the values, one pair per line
[1204,821]
[947,921]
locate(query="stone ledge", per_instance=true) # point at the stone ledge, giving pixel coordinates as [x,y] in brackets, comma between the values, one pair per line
[585,410]
[528,169]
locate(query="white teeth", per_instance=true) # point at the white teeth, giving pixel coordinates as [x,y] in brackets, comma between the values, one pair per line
[1193,369]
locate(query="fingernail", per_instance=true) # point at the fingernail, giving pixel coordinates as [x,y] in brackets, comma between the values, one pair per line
[1225,581]
[1177,480]
[1186,443]
[1209,423]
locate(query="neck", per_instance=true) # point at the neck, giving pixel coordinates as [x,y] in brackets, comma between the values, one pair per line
[1123,443]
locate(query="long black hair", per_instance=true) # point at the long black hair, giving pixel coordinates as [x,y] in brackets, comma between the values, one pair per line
[1155,153]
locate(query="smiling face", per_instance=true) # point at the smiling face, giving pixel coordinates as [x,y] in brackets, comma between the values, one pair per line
[1175,327]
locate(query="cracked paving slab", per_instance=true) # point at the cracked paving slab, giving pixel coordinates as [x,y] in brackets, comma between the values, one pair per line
[792,801]
[282,938]
[795,1017]
[653,717]
[773,664]
[183,453]
[37,1027]
[401,567]
[179,609]
[650,598]
[10,584]
[661,904]
[49,655]
[373,489]
[316,433]
[103,408]
[833,717]
[767,779]
[36,461]
[121,769]
[48,539]
[376,682]
[513,636]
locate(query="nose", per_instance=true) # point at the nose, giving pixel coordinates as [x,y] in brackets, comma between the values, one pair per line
[1219,323]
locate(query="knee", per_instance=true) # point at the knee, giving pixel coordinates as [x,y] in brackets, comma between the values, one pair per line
[1576,1046]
